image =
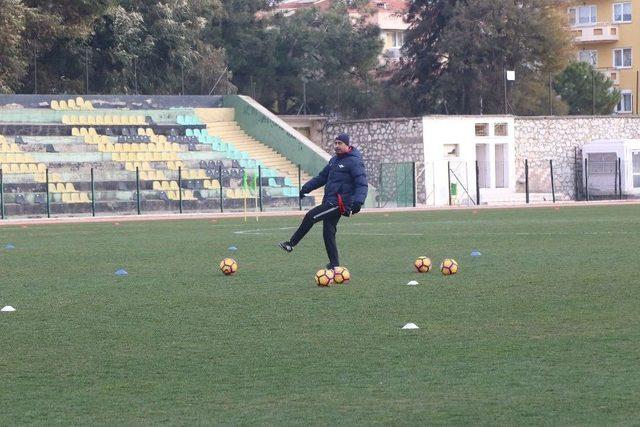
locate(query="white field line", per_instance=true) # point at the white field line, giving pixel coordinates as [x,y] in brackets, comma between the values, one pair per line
[296,213]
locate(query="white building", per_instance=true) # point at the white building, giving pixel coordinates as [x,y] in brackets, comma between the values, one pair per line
[605,174]
[453,144]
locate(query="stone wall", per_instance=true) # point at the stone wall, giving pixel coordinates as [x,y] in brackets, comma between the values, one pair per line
[383,141]
[540,139]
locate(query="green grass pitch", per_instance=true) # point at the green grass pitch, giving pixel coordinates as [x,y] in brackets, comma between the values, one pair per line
[543,328]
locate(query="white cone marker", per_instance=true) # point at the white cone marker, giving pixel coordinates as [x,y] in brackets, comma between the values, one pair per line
[7,309]
[412,283]
[410,326]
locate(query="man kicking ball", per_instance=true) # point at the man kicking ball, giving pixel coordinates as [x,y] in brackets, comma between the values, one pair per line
[345,190]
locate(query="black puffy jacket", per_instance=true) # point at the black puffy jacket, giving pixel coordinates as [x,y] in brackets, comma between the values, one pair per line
[344,175]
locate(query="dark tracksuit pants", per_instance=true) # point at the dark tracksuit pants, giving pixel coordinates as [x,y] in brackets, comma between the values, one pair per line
[329,220]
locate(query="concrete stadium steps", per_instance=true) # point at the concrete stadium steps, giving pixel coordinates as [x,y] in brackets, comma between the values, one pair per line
[215,114]
[230,132]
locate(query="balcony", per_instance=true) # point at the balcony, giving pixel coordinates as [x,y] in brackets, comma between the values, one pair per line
[611,73]
[598,33]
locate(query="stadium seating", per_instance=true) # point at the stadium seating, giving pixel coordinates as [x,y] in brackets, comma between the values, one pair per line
[174,153]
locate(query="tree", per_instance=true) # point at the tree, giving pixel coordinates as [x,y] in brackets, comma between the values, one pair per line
[13,58]
[458,51]
[57,32]
[323,57]
[586,90]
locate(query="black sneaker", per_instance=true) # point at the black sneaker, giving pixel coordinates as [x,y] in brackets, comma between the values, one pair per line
[330,267]
[285,246]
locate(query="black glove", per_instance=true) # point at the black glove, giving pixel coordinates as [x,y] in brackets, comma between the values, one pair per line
[355,207]
[301,195]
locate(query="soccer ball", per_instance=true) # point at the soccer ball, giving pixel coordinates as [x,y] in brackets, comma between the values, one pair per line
[341,275]
[423,264]
[324,277]
[228,266]
[449,267]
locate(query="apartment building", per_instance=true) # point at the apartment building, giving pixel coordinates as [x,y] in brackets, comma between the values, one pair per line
[607,35]
[386,14]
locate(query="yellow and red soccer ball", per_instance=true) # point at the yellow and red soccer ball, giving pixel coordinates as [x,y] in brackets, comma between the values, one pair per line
[324,277]
[449,266]
[423,264]
[228,266]
[341,275]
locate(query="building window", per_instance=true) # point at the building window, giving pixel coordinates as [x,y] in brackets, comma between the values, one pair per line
[622,58]
[583,15]
[588,56]
[636,168]
[501,129]
[602,163]
[622,12]
[482,129]
[626,102]
[397,38]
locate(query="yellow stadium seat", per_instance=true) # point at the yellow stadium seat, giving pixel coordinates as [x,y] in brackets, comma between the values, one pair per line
[33,168]
[66,198]
[162,139]
[157,186]
[63,105]
[87,105]
[108,120]
[60,188]
[146,166]
[75,120]
[91,120]
[24,168]
[75,132]
[84,198]
[173,185]
[52,188]
[42,168]
[149,132]
[99,119]
[80,102]
[65,119]
[69,188]
[118,147]
[165,186]
[230,193]
[141,132]
[55,177]
[71,104]
[140,120]
[215,184]
[55,105]
[84,132]
[92,131]
[75,198]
